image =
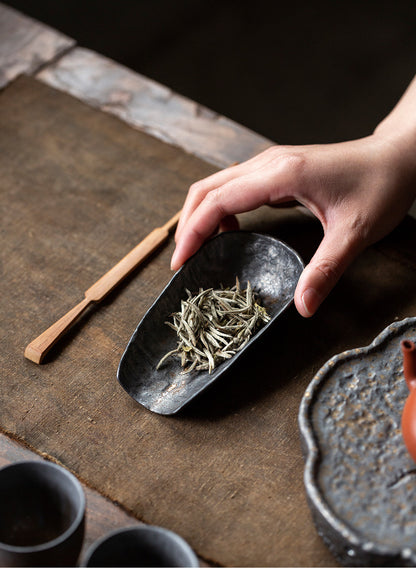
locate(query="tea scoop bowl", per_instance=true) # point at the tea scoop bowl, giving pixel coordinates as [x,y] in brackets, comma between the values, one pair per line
[273,270]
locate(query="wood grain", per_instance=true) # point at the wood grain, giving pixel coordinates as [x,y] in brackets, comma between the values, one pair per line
[26,45]
[152,107]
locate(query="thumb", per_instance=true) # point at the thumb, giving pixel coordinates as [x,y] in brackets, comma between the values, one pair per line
[331,259]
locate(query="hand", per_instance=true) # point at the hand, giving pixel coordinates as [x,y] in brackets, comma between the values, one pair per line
[359,190]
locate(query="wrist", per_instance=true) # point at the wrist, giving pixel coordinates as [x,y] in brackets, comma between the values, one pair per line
[398,130]
[398,142]
[401,135]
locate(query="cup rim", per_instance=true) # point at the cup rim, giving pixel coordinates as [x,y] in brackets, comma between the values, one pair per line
[144,527]
[72,527]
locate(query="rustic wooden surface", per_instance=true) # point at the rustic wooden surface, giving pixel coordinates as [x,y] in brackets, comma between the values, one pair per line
[79,187]
[26,45]
[136,100]
[152,107]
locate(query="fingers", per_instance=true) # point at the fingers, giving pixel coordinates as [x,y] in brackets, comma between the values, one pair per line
[200,189]
[216,208]
[243,193]
[336,251]
[347,186]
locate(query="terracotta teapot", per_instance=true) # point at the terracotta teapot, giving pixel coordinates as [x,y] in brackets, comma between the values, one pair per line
[409,410]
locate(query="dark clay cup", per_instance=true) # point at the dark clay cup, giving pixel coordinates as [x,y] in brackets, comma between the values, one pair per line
[42,513]
[141,546]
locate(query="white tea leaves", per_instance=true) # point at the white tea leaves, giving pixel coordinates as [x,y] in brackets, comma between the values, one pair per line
[214,325]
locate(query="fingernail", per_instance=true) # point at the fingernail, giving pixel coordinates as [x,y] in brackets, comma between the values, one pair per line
[173,262]
[310,301]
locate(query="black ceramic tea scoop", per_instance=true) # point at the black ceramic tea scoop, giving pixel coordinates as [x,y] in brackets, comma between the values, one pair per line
[273,270]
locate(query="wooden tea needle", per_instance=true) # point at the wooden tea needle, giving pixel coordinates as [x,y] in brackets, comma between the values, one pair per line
[37,349]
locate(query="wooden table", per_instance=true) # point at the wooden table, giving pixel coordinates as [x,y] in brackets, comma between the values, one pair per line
[28,47]
[32,48]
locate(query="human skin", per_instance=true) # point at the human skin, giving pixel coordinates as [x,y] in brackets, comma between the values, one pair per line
[359,190]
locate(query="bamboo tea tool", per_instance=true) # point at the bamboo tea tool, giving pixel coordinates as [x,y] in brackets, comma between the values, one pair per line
[37,349]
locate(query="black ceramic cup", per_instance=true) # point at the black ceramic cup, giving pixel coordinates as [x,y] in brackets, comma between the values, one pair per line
[42,513]
[141,546]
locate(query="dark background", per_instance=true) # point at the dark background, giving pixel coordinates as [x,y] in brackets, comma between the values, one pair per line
[299,72]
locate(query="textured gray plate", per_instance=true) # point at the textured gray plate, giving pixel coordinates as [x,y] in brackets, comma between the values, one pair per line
[272,268]
[360,480]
